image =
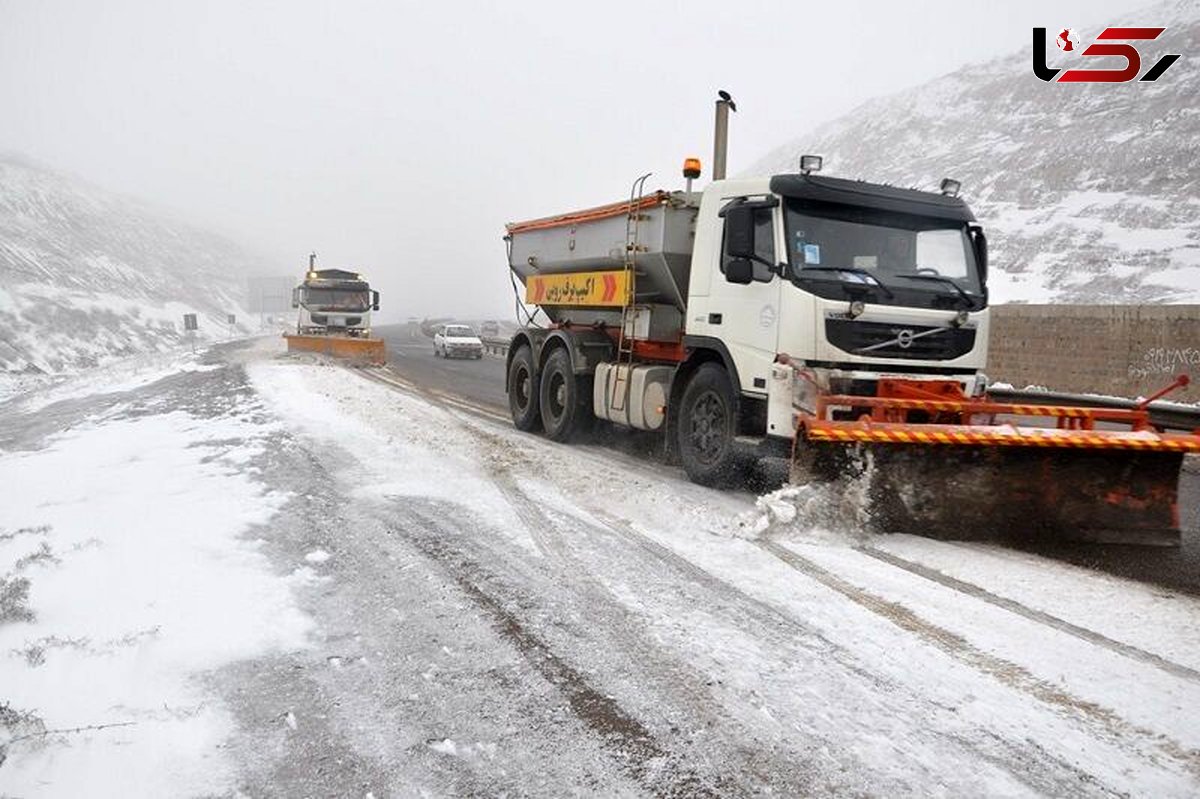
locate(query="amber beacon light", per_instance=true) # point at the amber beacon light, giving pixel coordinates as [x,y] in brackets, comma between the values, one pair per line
[691,171]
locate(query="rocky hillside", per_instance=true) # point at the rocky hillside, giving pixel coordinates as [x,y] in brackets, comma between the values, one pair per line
[86,276]
[1091,192]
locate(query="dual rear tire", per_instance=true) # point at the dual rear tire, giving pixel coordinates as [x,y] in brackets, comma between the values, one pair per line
[523,400]
[556,401]
[559,402]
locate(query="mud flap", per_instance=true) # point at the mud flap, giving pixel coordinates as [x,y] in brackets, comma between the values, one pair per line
[1018,493]
[365,351]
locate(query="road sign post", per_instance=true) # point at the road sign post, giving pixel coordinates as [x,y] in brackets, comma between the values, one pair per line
[191,325]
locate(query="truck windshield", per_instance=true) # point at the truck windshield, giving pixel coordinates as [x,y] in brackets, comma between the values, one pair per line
[923,261]
[352,300]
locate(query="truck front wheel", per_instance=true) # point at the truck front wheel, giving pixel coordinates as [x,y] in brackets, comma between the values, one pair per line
[565,399]
[523,391]
[707,426]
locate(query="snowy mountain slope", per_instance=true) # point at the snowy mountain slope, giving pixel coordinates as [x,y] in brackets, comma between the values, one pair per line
[1091,192]
[86,275]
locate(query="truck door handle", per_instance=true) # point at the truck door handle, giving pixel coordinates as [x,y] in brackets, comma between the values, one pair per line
[714,319]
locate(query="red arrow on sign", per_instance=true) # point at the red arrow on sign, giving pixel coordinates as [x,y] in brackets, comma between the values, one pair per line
[610,288]
[539,289]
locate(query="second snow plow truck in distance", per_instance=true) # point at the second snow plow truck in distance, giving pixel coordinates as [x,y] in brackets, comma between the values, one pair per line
[842,320]
[334,315]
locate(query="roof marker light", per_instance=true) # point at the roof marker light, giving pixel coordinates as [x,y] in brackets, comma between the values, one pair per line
[950,187]
[810,163]
[691,171]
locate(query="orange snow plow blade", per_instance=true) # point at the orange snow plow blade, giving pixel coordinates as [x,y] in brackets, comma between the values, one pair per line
[943,465]
[363,351]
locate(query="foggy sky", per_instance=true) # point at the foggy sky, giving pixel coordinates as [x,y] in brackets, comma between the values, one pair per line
[397,138]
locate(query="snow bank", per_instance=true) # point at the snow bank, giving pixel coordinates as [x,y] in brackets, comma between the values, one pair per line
[126,536]
[126,374]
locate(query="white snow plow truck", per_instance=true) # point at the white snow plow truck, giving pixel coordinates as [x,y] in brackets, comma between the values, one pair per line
[335,315]
[842,321]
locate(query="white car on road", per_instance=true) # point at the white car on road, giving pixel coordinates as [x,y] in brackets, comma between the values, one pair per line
[457,341]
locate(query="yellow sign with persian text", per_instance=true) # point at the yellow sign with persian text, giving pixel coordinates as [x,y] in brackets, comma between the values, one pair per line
[595,289]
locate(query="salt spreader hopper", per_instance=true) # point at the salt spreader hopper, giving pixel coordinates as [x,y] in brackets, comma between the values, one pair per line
[334,316]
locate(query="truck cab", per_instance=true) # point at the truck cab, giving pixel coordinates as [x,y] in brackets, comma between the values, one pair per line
[843,279]
[334,301]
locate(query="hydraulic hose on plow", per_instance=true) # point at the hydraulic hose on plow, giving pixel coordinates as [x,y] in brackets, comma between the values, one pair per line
[945,465]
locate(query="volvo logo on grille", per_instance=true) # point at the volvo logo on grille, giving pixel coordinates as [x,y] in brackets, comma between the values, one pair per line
[904,339]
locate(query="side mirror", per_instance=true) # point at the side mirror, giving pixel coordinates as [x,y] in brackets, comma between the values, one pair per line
[295,298]
[374,300]
[740,271]
[739,232]
[981,253]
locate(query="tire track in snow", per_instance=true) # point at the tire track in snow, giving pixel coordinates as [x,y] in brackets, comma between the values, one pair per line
[676,680]
[1011,674]
[1012,606]
[619,729]
[639,752]
[1041,770]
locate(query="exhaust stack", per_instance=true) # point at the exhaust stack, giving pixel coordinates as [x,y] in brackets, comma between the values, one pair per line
[721,133]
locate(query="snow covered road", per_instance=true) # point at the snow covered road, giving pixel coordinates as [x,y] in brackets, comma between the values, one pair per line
[419,600]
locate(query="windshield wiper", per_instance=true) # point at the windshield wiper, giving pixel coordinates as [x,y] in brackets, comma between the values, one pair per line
[854,271]
[941,279]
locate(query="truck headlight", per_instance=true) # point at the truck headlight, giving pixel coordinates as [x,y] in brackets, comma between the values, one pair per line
[856,309]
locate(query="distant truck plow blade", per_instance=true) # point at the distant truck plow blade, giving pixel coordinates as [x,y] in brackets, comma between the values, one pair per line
[942,465]
[363,351]
[334,316]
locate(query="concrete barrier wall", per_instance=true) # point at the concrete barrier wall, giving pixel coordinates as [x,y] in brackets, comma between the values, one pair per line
[1124,350]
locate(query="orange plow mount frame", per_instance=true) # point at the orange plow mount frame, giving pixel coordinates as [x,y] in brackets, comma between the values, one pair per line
[365,351]
[951,466]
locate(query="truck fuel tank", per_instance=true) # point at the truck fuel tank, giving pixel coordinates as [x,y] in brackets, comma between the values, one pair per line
[633,396]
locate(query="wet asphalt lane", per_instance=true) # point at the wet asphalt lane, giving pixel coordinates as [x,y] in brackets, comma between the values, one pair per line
[480,381]
[1174,569]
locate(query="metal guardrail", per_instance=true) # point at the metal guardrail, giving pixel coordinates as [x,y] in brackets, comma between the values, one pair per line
[495,345]
[1168,415]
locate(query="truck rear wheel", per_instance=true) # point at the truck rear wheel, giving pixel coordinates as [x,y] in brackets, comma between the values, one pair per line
[565,398]
[707,427]
[523,391]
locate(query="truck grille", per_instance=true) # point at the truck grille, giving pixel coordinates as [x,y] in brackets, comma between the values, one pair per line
[851,335]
